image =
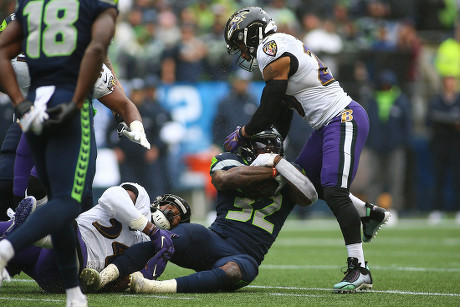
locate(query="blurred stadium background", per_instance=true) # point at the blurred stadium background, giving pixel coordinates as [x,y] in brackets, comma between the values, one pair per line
[177,48]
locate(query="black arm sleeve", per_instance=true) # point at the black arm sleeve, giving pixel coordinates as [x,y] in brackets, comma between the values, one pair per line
[283,121]
[270,106]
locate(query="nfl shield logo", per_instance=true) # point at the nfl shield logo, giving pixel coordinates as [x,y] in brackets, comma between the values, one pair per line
[270,48]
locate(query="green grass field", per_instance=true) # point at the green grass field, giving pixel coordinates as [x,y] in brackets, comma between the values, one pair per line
[412,263]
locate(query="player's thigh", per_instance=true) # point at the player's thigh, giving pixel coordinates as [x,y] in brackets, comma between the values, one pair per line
[343,141]
[198,247]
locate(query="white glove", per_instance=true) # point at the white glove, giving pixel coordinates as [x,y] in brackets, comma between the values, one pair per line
[136,134]
[31,118]
[265,159]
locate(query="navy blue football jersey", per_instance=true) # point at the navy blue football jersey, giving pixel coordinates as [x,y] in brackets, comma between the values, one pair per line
[254,223]
[56,34]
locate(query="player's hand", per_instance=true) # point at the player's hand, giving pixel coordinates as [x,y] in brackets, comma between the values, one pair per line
[135,133]
[162,239]
[29,117]
[61,114]
[234,140]
[156,265]
[266,159]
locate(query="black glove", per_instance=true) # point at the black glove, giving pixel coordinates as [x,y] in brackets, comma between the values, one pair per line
[60,114]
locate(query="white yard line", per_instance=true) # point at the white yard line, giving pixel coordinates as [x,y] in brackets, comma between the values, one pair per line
[370,291]
[328,267]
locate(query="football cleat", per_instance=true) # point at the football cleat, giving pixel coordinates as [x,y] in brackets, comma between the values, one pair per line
[375,218]
[90,280]
[356,278]
[24,209]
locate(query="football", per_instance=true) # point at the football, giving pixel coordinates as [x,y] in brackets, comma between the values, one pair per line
[262,189]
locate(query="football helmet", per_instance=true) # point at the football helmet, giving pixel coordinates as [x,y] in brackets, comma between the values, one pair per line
[267,141]
[164,218]
[244,31]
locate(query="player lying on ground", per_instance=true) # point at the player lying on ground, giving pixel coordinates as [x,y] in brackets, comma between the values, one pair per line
[121,218]
[253,203]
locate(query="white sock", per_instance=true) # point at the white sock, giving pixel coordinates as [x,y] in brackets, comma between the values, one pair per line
[108,274]
[356,251]
[6,250]
[75,294]
[359,205]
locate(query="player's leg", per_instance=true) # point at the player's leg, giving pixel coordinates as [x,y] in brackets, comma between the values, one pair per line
[344,139]
[227,274]
[22,167]
[372,217]
[7,156]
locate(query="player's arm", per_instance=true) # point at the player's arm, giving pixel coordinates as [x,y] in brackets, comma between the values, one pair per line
[10,47]
[301,189]
[118,102]
[240,177]
[119,202]
[102,32]
[276,76]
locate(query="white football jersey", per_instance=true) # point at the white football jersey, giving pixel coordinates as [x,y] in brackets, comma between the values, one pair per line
[319,96]
[104,228]
[22,73]
[105,84]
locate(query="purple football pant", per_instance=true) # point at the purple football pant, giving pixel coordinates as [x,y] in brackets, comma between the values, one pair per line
[22,167]
[330,157]
[40,263]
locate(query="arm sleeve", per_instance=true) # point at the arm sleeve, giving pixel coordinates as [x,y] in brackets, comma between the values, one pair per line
[270,105]
[117,202]
[299,180]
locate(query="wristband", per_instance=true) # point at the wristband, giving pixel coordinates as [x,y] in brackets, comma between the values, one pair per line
[274,172]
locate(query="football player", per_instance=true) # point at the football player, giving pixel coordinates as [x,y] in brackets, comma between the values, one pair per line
[296,79]
[65,44]
[253,203]
[107,90]
[121,218]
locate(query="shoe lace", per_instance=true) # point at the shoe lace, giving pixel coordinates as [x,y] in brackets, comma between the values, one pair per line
[349,272]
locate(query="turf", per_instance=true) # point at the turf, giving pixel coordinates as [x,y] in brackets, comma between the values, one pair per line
[412,263]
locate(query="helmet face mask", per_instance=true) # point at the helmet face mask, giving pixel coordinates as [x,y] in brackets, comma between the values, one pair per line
[244,31]
[267,141]
[162,209]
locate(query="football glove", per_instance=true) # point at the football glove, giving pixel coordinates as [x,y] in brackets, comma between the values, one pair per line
[135,133]
[265,159]
[234,140]
[162,239]
[29,117]
[60,114]
[156,265]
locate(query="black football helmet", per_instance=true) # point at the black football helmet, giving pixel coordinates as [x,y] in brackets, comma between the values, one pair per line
[164,218]
[246,29]
[267,141]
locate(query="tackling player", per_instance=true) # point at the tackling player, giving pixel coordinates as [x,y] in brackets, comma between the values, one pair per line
[253,203]
[296,79]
